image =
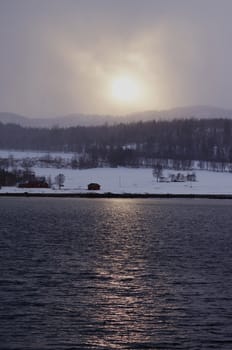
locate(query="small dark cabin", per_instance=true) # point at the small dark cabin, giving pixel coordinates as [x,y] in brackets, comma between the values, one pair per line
[94,186]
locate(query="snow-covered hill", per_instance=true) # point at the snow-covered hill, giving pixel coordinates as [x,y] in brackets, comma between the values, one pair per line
[93,120]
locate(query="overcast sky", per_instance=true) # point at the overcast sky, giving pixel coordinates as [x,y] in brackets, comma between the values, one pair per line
[62,56]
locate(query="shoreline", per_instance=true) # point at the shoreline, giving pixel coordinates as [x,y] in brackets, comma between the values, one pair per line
[111,195]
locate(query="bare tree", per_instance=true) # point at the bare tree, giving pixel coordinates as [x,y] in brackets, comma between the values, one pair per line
[157,171]
[49,181]
[59,179]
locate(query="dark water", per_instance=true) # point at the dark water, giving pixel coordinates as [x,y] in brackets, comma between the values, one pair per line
[115,274]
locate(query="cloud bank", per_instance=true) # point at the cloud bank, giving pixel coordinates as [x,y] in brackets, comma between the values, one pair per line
[59,56]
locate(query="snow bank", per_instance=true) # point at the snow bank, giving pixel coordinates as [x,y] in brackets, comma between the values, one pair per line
[128,180]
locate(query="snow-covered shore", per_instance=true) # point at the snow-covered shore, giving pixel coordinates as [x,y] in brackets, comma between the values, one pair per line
[130,180]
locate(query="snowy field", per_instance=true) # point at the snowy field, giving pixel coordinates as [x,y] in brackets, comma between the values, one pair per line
[33,154]
[128,180]
[120,180]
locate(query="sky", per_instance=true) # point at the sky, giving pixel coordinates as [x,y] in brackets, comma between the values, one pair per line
[114,56]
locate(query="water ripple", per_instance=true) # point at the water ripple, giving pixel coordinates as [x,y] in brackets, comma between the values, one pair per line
[115,274]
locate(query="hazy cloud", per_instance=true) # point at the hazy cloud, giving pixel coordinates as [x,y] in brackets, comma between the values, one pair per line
[58,56]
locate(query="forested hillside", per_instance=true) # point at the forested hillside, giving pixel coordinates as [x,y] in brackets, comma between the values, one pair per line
[132,144]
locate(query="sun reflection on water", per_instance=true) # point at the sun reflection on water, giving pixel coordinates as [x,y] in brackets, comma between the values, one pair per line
[130,299]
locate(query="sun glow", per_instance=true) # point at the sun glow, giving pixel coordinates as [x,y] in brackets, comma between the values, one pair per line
[125,89]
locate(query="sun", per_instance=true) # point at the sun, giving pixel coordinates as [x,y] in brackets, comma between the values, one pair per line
[125,89]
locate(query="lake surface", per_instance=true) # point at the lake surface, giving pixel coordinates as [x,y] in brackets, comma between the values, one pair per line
[115,274]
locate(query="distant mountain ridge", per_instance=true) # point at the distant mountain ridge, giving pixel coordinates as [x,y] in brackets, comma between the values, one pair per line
[199,112]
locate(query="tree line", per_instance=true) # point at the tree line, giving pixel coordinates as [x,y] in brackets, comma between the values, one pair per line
[132,144]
